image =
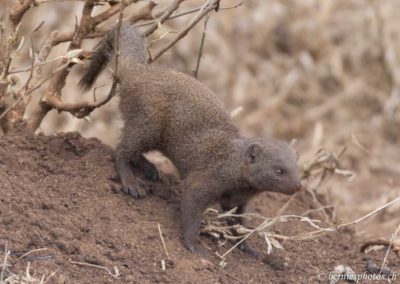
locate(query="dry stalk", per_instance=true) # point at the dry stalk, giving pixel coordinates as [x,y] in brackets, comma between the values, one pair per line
[202,41]
[394,235]
[162,241]
[4,264]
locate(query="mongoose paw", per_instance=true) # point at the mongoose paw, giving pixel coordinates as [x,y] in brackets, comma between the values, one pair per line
[197,248]
[276,261]
[137,188]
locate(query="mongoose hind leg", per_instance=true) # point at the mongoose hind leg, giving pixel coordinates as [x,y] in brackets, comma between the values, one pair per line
[227,203]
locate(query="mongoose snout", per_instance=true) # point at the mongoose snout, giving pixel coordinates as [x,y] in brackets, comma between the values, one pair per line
[176,114]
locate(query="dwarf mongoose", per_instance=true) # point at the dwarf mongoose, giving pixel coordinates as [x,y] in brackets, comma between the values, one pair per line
[174,113]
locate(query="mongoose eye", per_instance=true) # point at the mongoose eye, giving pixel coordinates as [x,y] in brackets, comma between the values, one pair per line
[279,172]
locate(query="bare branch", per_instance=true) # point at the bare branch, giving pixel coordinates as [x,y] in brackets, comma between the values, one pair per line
[78,110]
[200,54]
[10,108]
[19,9]
[81,110]
[188,13]
[174,6]
[7,44]
[58,81]
[88,28]
[117,41]
[32,65]
[110,12]
[207,8]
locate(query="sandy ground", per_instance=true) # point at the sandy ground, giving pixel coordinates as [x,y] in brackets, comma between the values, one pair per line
[61,194]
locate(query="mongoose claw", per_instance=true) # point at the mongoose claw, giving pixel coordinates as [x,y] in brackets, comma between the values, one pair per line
[137,189]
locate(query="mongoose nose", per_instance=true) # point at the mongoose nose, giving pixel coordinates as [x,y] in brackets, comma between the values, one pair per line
[297,187]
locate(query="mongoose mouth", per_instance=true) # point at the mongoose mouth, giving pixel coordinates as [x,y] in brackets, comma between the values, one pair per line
[293,190]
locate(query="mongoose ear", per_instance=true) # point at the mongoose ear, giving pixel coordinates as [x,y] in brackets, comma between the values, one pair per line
[252,151]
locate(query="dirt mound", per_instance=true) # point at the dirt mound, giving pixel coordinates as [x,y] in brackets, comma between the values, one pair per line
[61,193]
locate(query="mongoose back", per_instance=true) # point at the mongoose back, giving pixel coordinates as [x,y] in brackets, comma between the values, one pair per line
[174,113]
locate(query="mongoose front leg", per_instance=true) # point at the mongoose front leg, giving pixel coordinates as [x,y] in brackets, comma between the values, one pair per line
[197,194]
[227,203]
[131,185]
[134,186]
[134,142]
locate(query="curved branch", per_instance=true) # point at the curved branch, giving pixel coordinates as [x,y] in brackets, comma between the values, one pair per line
[174,6]
[19,9]
[206,9]
[78,110]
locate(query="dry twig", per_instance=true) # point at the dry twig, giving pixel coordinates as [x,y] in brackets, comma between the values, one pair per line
[163,243]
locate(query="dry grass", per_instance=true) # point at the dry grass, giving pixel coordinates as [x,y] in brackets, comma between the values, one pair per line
[8,277]
[315,172]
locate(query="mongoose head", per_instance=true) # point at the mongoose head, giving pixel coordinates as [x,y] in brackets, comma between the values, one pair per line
[270,165]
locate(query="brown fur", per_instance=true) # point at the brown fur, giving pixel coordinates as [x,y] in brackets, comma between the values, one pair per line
[172,112]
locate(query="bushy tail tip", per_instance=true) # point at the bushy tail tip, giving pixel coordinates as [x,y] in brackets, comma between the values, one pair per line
[98,62]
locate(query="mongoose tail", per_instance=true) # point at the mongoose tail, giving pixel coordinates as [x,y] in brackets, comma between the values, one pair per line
[133,47]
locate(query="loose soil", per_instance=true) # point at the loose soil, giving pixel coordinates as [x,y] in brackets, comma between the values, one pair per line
[61,193]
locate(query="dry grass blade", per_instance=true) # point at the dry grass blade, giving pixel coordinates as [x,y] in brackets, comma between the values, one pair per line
[4,264]
[114,275]
[394,235]
[162,241]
